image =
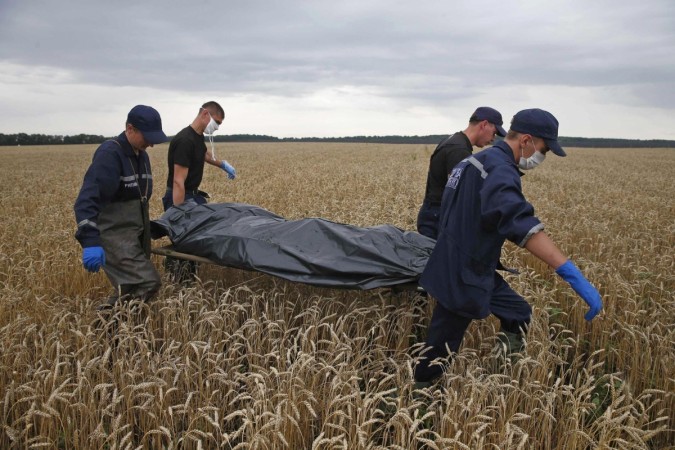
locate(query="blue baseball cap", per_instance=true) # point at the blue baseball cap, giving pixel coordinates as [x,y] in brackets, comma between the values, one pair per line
[541,124]
[491,115]
[146,119]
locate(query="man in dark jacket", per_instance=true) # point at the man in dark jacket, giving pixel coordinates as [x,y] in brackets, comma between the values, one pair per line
[482,206]
[111,209]
[484,124]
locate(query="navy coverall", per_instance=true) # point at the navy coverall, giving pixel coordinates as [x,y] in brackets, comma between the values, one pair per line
[110,213]
[111,177]
[482,206]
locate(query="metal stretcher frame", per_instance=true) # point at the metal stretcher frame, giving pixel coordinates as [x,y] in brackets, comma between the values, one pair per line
[168,250]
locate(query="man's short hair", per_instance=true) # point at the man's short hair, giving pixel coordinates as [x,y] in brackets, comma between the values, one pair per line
[214,108]
[491,115]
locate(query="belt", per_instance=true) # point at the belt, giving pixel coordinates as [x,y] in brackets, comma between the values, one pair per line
[188,191]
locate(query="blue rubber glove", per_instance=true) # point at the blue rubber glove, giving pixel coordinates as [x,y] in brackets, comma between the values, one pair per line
[231,173]
[93,258]
[570,273]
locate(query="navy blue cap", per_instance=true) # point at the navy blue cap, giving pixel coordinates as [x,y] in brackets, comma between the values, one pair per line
[541,124]
[146,119]
[491,115]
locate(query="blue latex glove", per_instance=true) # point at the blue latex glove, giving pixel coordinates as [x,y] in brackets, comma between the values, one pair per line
[93,258]
[570,273]
[231,173]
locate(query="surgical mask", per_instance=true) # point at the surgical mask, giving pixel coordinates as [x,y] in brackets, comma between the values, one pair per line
[211,127]
[209,130]
[533,161]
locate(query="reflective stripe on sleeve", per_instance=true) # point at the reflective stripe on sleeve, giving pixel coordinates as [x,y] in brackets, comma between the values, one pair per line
[477,164]
[87,222]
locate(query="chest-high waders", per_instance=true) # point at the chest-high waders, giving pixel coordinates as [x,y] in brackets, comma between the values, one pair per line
[125,236]
[127,264]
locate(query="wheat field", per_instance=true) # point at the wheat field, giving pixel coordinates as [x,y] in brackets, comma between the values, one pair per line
[246,361]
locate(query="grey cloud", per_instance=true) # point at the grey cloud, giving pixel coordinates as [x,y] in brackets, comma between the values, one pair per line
[287,48]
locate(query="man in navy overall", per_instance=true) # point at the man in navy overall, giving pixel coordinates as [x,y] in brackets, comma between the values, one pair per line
[111,209]
[482,206]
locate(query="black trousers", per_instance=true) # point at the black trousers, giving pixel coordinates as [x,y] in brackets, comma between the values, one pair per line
[427,219]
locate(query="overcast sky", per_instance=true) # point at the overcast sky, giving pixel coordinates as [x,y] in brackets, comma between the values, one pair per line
[293,68]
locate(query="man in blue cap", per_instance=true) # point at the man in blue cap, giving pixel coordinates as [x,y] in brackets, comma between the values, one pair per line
[483,205]
[484,124]
[113,224]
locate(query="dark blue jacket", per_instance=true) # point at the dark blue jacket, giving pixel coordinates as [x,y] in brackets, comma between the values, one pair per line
[113,176]
[482,206]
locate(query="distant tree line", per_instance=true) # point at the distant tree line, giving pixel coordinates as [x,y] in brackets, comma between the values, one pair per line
[49,139]
[614,143]
[373,139]
[436,138]
[46,139]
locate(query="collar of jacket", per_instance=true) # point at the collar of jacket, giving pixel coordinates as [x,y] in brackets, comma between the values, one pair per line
[506,149]
[126,146]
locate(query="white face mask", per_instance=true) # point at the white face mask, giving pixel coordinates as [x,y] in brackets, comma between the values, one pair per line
[211,127]
[533,161]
